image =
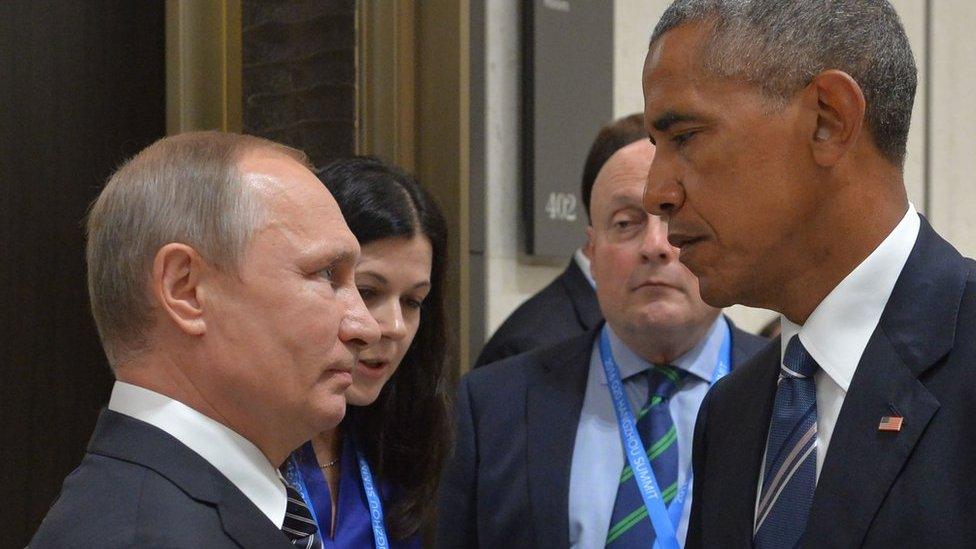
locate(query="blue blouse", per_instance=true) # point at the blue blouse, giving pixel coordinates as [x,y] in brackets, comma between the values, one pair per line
[353,526]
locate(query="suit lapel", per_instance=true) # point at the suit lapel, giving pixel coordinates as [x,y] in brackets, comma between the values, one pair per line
[862,462]
[916,331]
[744,345]
[122,437]
[740,429]
[243,522]
[554,401]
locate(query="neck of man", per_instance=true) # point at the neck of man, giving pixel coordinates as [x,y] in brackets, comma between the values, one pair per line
[663,345]
[167,376]
[848,230]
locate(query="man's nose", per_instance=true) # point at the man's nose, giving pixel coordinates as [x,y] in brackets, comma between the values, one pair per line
[655,244]
[358,328]
[663,196]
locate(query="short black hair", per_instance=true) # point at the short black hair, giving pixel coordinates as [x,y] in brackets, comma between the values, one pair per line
[610,139]
[780,46]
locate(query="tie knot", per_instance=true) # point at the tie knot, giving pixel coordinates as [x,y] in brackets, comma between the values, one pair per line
[797,362]
[663,380]
[299,524]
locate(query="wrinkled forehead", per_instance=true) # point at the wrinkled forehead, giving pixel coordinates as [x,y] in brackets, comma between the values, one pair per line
[622,178]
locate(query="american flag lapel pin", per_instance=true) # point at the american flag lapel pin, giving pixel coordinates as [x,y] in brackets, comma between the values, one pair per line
[890,423]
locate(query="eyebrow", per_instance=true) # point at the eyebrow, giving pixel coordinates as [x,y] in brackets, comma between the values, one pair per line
[382,279]
[670,118]
[333,258]
[623,201]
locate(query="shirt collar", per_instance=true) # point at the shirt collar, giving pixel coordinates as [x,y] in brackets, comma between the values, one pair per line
[583,263]
[234,456]
[700,361]
[838,330]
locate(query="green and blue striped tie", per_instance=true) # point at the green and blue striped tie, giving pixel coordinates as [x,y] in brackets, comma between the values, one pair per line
[629,523]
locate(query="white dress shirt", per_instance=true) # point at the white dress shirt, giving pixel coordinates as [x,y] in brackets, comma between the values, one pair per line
[838,330]
[233,455]
[598,453]
[583,263]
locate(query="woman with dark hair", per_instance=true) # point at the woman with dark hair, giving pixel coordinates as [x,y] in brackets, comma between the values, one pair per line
[387,453]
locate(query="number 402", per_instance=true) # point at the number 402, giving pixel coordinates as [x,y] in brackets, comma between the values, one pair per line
[561,206]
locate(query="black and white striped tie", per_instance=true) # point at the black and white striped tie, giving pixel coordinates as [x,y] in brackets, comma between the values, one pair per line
[299,525]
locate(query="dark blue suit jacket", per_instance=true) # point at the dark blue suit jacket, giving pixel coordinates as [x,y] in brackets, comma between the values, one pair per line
[507,484]
[139,487]
[565,308]
[913,488]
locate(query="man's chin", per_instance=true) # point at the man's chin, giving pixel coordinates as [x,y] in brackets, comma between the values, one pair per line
[659,316]
[717,295]
[330,412]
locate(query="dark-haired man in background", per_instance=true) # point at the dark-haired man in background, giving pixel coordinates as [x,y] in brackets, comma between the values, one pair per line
[781,131]
[568,305]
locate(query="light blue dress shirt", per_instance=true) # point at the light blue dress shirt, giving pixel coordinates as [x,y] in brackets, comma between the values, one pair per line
[598,454]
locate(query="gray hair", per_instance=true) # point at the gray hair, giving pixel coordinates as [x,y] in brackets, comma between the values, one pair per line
[781,45]
[186,188]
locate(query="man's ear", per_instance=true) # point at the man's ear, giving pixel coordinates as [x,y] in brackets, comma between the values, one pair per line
[588,248]
[177,271]
[840,109]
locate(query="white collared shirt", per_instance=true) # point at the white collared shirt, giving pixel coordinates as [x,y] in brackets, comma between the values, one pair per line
[838,330]
[583,263]
[233,455]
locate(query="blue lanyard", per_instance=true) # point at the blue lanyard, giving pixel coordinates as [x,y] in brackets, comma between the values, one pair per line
[664,520]
[373,499]
[293,475]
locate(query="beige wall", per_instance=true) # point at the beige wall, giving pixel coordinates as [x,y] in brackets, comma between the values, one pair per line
[510,279]
[952,197]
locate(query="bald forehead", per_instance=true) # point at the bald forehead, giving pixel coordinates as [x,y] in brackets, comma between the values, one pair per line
[621,180]
[278,180]
[629,165]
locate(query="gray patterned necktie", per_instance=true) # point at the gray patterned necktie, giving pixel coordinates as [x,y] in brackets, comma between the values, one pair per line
[299,525]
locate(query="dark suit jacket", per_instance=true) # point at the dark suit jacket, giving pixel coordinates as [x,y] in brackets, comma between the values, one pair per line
[913,488]
[507,484]
[565,308]
[139,487]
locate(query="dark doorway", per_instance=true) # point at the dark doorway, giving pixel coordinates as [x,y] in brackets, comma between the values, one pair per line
[82,87]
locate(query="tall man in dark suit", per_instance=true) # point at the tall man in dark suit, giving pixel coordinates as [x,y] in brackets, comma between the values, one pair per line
[539,457]
[781,131]
[220,272]
[567,306]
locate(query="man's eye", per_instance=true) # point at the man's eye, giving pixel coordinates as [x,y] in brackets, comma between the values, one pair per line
[327,273]
[623,224]
[683,138]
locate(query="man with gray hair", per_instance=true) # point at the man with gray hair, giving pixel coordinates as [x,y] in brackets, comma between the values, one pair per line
[220,273]
[781,130]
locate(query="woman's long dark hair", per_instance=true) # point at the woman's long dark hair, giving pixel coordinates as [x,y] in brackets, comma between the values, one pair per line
[406,432]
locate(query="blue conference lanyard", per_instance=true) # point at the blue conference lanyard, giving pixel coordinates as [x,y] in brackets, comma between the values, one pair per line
[663,519]
[380,540]
[373,500]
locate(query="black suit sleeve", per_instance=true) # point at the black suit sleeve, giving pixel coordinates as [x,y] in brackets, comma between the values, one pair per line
[457,512]
[698,458]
